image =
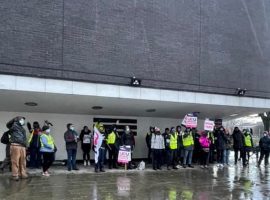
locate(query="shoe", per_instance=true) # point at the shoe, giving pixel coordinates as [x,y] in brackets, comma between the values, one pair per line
[154,168]
[76,169]
[184,166]
[25,177]
[102,170]
[110,167]
[175,168]
[15,178]
[88,163]
[221,165]
[96,170]
[1,170]
[206,166]
[84,163]
[159,168]
[190,166]
[202,166]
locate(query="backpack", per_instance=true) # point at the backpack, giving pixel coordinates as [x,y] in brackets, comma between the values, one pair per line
[5,137]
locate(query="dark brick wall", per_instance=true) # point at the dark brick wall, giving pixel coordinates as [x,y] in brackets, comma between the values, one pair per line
[200,45]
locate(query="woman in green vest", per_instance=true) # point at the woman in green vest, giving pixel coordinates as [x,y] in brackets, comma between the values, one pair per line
[47,149]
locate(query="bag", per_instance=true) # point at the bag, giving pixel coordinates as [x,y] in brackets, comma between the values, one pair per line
[141,165]
[5,138]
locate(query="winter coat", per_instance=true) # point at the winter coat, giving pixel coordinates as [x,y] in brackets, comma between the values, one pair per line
[220,139]
[204,142]
[128,139]
[17,132]
[148,140]
[265,143]
[84,136]
[238,140]
[71,139]
[157,141]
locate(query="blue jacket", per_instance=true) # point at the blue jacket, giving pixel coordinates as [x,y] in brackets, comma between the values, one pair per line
[46,147]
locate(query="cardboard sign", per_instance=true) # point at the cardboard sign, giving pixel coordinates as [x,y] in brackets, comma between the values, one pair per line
[191,122]
[209,125]
[124,155]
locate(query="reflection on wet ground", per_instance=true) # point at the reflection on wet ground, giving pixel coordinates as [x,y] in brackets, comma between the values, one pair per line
[233,182]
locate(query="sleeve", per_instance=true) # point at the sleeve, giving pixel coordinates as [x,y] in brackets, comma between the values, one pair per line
[152,142]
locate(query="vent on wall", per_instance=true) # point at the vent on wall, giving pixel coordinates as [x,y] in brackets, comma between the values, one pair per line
[120,124]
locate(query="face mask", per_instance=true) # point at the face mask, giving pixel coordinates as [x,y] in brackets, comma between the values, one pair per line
[265,134]
[72,128]
[21,122]
[48,131]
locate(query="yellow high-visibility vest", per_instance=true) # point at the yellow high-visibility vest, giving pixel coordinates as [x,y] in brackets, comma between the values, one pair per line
[111,138]
[173,141]
[188,141]
[248,140]
[49,138]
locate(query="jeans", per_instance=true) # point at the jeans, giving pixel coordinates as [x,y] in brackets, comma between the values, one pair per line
[171,157]
[220,156]
[226,155]
[101,158]
[265,155]
[237,151]
[188,156]
[71,161]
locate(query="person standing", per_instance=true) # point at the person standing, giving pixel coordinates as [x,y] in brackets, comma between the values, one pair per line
[264,144]
[113,147]
[18,143]
[220,141]
[228,146]
[5,139]
[157,145]
[188,143]
[172,140]
[128,139]
[205,143]
[99,146]
[148,142]
[86,138]
[47,149]
[248,146]
[180,148]
[71,138]
[34,146]
[237,143]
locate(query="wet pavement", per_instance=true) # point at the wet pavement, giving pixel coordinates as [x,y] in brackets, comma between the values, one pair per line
[234,182]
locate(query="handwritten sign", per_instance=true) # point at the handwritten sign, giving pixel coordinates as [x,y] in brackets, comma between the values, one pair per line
[209,125]
[191,122]
[124,155]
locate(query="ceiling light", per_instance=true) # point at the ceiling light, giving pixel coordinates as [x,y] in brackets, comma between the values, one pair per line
[97,107]
[233,115]
[151,110]
[30,104]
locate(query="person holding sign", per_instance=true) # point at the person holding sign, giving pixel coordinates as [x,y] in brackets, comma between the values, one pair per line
[188,143]
[99,146]
[86,138]
[157,145]
[128,139]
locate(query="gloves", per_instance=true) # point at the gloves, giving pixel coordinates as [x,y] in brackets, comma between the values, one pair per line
[93,148]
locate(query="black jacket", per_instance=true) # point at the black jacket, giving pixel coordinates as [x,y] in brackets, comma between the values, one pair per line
[238,140]
[128,139]
[17,132]
[220,139]
[265,143]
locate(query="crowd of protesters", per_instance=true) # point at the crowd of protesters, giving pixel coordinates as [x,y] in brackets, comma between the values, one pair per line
[175,147]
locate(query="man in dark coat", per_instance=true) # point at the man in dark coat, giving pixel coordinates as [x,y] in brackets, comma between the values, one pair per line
[265,148]
[237,143]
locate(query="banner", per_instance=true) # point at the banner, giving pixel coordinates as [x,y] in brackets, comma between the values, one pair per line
[209,125]
[191,122]
[124,155]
